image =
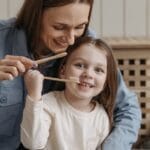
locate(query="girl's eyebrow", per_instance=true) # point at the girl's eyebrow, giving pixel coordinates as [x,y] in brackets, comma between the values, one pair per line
[101,64]
[78,58]
[82,59]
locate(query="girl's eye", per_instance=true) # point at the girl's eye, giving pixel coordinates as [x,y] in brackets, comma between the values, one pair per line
[99,70]
[79,65]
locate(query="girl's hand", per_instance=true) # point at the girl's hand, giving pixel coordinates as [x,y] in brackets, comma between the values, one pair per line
[34,84]
[13,66]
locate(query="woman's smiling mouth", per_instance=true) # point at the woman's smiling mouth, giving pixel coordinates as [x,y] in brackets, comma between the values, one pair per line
[61,43]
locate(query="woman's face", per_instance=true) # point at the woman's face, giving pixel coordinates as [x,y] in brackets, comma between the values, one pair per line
[88,64]
[61,25]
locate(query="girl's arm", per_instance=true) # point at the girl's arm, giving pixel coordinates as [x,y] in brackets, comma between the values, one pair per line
[35,125]
[36,122]
[34,84]
[105,130]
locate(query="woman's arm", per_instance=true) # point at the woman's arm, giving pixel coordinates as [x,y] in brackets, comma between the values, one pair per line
[127,119]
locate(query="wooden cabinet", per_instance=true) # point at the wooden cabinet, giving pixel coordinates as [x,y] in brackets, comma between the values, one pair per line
[133,58]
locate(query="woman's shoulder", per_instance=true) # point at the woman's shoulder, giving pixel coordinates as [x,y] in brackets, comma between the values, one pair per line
[6,24]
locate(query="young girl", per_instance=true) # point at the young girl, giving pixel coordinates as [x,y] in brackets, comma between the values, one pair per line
[79,117]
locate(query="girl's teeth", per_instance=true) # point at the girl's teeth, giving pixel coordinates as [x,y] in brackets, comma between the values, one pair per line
[86,84]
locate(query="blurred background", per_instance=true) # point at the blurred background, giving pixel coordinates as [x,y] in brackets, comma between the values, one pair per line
[125,25]
[110,18]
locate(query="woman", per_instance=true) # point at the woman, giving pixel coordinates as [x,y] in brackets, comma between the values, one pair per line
[48,27]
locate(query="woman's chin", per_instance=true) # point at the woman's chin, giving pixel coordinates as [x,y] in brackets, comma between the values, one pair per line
[60,50]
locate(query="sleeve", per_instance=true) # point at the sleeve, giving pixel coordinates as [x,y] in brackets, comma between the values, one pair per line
[105,128]
[35,125]
[91,33]
[127,119]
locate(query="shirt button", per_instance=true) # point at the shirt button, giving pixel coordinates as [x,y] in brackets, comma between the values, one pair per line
[3,99]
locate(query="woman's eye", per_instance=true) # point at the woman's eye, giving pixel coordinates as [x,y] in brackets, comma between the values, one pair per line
[81,27]
[58,27]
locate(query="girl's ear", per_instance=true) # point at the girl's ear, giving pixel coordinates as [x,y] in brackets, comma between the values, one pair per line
[62,72]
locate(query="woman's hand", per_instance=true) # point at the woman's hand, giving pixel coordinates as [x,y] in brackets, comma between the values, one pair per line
[13,66]
[34,84]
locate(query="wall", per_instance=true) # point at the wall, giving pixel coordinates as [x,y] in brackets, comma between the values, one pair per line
[110,18]
[9,8]
[121,18]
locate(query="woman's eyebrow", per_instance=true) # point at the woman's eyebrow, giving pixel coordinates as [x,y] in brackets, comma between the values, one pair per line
[65,24]
[82,23]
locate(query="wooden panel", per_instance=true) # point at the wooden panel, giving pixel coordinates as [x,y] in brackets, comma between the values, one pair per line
[14,6]
[3,9]
[112,18]
[148,18]
[119,18]
[96,17]
[133,58]
[135,18]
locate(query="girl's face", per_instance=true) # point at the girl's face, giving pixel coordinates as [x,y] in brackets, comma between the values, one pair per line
[61,25]
[88,64]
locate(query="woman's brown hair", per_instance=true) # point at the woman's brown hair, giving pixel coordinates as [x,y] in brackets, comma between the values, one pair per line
[108,95]
[30,16]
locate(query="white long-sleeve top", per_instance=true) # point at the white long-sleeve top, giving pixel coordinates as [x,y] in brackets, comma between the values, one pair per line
[53,124]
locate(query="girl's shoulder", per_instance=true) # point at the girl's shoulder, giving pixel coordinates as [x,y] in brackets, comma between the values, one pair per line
[101,113]
[100,108]
[52,99]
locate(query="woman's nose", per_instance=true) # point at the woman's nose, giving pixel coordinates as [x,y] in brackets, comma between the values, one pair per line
[71,37]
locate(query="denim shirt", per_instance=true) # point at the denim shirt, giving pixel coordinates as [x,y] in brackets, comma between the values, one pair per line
[127,115]
[11,92]
[127,120]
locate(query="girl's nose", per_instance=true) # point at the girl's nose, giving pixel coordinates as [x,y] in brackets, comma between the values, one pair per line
[88,74]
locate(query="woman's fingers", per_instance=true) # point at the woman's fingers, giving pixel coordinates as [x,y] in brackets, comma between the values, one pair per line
[28,63]
[10,69]
[13,66]
[5,76]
